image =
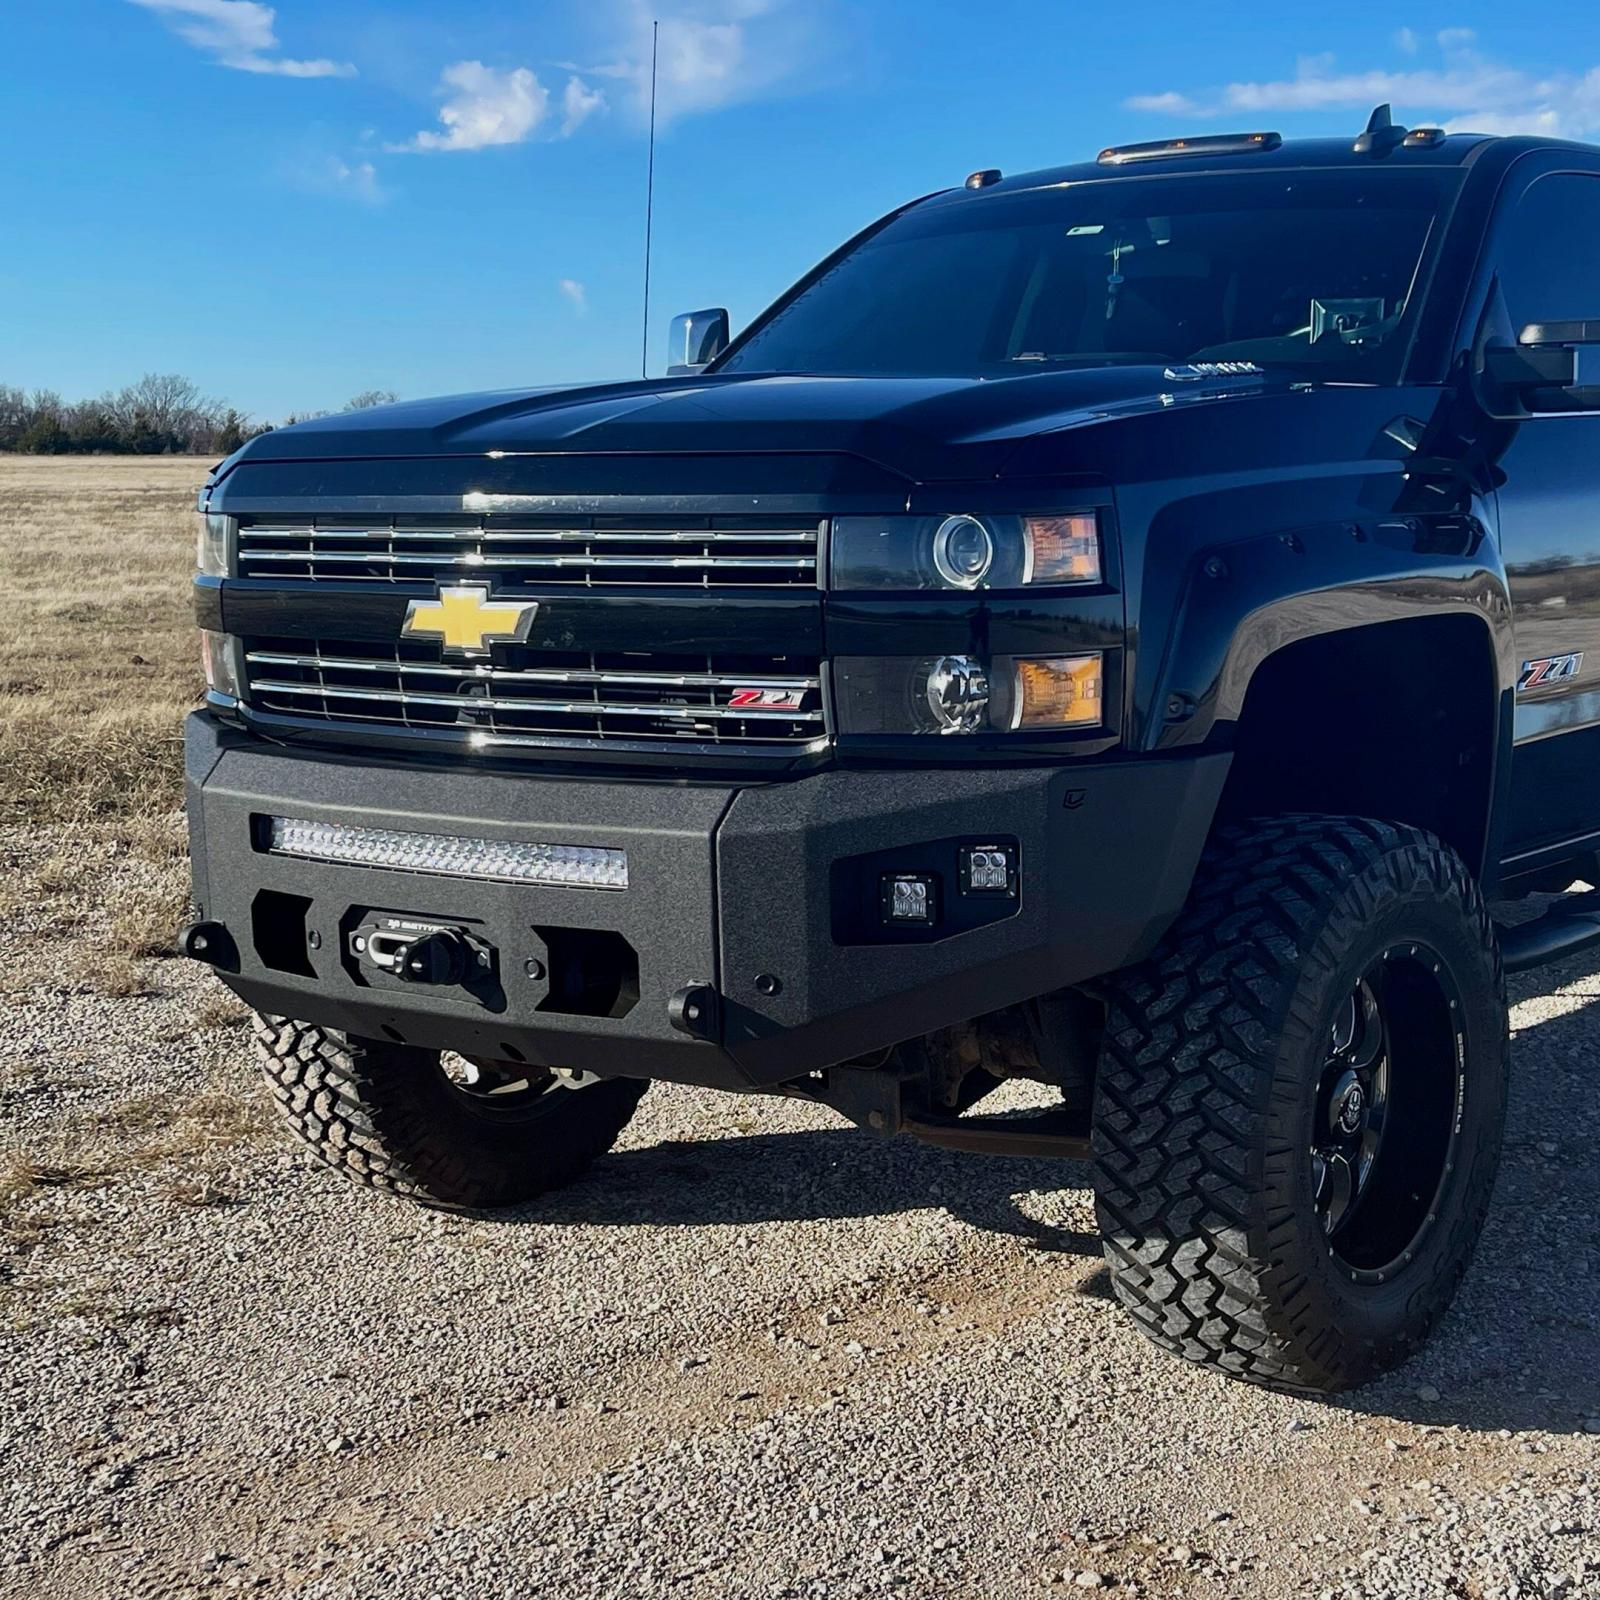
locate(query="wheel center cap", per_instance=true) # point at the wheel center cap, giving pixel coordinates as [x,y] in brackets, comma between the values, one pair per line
[1352,1109]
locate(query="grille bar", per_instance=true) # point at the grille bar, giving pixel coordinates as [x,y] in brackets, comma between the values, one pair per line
[671,553]
[664,680]
[548,535]
[323,558]
[612,708]
[770,703]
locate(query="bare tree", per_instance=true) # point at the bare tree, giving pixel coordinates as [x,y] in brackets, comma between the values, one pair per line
[371,397]
[13,416]
[165,411]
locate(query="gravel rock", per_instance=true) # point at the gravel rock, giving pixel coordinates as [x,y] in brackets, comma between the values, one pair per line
[300,1388]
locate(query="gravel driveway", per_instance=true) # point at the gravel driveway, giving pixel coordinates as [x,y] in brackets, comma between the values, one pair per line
[754,1353]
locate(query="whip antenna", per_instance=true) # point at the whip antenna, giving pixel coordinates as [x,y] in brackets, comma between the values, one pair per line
[649,202]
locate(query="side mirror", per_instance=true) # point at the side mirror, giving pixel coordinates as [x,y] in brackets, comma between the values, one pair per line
[697,339]
[1554,366]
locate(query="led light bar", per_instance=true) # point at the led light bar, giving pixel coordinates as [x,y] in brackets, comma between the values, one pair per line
[570,866]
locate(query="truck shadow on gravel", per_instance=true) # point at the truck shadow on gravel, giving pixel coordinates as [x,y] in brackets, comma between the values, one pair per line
[1520,1350]
[829,1173]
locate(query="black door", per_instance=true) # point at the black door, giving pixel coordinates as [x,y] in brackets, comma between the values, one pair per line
[1548,260]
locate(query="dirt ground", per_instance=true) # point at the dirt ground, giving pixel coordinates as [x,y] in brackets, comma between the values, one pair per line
[752,1353]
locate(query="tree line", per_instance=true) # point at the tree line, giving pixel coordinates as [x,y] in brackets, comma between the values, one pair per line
[162,414]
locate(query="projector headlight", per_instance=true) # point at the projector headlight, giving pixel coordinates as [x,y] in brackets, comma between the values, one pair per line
[965,551]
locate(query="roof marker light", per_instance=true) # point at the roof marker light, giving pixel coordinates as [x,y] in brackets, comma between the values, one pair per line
[984,178]
[1214,144]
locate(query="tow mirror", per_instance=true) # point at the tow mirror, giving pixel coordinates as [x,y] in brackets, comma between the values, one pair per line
[1554,366]
[697,339]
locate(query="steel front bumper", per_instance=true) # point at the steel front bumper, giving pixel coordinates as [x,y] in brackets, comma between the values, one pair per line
[765,895]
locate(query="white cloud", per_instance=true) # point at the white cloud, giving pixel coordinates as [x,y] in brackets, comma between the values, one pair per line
[575,293]
[320,173]
[1468,91]
[491,105]
[239,34]
[488,107]
[578,103]
[712,53]
[1406,40]
[359,180]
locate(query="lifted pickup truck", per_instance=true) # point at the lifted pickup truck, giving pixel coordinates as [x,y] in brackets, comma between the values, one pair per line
[1110,627]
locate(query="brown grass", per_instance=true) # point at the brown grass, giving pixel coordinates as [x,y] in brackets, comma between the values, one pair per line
[98,659]
[98,664]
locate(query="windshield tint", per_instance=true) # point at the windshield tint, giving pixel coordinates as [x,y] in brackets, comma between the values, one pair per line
[1310,269]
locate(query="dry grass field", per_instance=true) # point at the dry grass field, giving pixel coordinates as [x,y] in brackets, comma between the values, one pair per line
[97,667]
[750,1354]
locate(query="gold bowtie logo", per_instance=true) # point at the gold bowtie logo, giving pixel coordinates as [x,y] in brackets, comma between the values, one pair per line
[466,622]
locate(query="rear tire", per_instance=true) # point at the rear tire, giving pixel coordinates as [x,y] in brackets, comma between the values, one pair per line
[392,1118]
[1253,1218]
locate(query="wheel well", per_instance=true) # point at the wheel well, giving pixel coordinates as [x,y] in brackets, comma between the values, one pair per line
[1395,720]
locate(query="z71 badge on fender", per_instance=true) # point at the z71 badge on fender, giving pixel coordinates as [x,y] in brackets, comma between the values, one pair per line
[1549,670]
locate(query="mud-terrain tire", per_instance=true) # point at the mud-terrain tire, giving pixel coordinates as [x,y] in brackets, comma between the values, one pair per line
[1247,1224]
[390,1117]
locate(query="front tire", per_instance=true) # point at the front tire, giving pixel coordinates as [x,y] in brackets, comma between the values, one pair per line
[1300,1103]
[472,1138]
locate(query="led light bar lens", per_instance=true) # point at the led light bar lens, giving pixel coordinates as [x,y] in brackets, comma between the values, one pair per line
[1059,692]
[571,866]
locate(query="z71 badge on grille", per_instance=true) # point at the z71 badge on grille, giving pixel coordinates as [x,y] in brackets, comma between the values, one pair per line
[466,621]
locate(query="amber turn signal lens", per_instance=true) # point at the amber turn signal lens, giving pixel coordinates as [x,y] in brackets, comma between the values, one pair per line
[1059,692]
[1061,549]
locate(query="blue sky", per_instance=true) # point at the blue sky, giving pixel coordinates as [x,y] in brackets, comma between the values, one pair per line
[290,204]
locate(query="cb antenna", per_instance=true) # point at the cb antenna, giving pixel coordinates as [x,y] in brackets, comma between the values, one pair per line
[649,202]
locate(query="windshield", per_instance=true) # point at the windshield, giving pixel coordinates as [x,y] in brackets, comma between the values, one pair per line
[1310,269]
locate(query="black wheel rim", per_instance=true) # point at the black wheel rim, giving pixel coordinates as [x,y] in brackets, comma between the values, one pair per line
[1387,1112]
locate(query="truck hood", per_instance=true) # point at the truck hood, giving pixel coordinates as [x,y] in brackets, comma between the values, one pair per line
[922,429]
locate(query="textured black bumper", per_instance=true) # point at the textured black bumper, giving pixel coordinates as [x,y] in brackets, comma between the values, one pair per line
[756,891]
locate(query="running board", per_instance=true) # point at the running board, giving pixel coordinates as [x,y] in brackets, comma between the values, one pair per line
[1566,929]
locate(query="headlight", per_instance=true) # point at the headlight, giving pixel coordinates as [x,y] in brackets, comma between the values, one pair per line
[964,694]
[218,659]
[965,551]
[214,549]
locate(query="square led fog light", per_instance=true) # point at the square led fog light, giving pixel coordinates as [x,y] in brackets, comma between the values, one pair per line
[989,869]
[910,899]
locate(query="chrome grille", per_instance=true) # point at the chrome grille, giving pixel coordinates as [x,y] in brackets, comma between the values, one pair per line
[703,553]
[771,701]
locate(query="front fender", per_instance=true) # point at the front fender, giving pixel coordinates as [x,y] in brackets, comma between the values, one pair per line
[1241,602]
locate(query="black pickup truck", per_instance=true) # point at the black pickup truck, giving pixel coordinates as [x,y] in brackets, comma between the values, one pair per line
[1110,627]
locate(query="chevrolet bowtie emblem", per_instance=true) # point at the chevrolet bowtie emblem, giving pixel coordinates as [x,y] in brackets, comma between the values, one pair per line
[466,621]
